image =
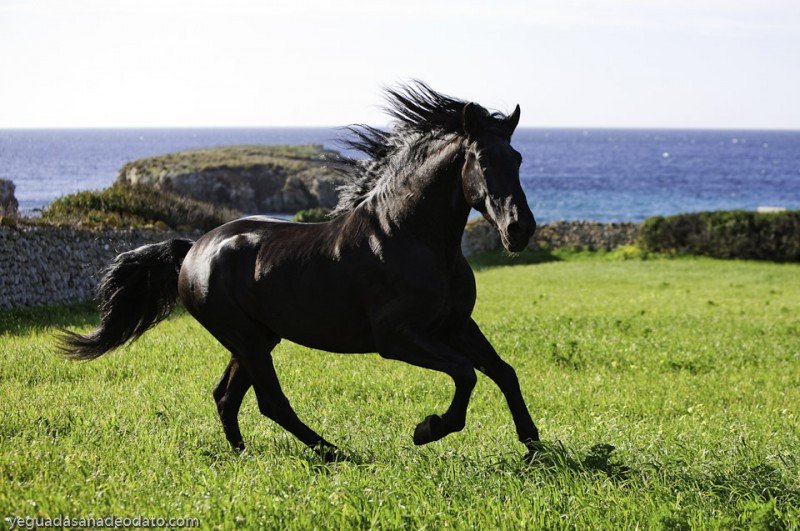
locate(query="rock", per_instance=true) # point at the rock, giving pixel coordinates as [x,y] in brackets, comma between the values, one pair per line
[8,203]
[247,178]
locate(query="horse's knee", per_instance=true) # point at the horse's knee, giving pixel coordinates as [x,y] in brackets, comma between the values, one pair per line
[502,372]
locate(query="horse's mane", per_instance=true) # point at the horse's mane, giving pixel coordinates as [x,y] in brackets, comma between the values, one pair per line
[419,114]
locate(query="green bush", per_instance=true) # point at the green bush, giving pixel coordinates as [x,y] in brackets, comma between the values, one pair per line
[629,252]
[312,215]
[726,234]
[136,206]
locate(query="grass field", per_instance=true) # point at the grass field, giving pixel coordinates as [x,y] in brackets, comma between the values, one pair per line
[667,391]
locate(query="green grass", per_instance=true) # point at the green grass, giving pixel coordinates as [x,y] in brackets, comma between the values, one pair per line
[667,390]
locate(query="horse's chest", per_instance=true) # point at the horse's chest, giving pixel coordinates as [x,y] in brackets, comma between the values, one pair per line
[454,310]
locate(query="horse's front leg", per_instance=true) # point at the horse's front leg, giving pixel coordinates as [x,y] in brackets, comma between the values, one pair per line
[474,345]
[421,351]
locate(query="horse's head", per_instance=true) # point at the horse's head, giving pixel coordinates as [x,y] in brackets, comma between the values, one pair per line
[490,176]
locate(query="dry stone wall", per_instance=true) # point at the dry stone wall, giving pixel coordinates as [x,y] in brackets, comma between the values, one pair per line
[480,236]
[42,265]
[47,265]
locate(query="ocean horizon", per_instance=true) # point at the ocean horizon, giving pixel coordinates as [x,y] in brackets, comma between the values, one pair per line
[567,173]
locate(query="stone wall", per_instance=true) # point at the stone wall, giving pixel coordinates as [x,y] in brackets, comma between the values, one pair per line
[480,236]
[46,265]
[589,235]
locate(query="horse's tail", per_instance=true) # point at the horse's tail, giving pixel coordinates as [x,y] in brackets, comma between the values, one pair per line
[138,290]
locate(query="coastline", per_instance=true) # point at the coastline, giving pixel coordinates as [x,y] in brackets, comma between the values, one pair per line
[603,175]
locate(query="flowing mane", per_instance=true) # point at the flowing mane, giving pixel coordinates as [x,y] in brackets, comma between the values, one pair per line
[420,115]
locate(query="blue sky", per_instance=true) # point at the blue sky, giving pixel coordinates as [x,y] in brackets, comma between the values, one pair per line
[602,63]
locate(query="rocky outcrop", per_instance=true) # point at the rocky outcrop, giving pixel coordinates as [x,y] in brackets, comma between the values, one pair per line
[247,178]
[8,203]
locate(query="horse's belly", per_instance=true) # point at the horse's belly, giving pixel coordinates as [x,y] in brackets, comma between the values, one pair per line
[317,309]
[342,332]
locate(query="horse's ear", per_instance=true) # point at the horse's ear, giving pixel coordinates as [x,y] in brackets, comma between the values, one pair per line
[471,117]
[512,121]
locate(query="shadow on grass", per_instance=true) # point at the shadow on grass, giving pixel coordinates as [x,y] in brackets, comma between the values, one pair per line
[288,449]
[502,258]
[765,490]
[25,320]
[599,458]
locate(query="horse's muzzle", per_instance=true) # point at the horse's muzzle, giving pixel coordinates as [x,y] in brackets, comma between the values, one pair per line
[518,233]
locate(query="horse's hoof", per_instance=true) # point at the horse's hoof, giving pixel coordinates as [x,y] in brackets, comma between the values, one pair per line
[428,430]
[535,453]
[330,453]
[534,446]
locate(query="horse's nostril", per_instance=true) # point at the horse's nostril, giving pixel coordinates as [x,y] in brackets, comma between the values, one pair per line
[514,228]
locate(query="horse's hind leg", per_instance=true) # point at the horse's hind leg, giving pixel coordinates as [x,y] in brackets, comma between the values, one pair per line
[251,364]
[230,391]
[272,402]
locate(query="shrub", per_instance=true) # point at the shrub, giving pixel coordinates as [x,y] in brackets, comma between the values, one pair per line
[312,215]
[136,206]
[629,252]
[726,234]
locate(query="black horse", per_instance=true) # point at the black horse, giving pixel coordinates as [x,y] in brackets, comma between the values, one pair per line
[385,275]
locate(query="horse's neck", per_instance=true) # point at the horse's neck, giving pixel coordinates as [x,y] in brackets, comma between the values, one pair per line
[426,201]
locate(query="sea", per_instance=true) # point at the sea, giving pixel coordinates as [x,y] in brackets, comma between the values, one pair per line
[567,174]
